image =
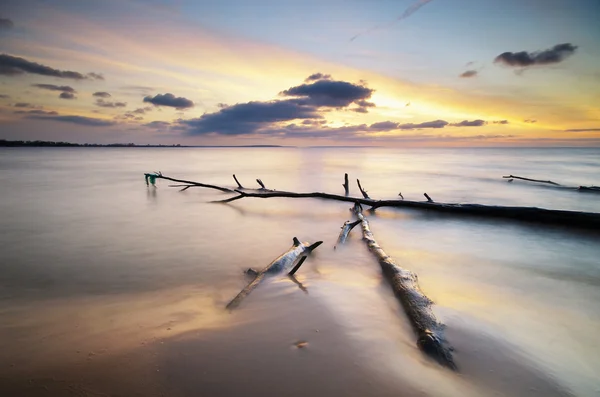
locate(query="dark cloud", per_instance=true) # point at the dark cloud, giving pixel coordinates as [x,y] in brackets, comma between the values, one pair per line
[52,87]
[12,66]
[159,125]
[250,117]
[329,93]
[169,100]
[384,126]
[556,54]
[3,96]
[22,105]
[365,104]
[66,95]
[583,130]
[101,94]
[6,23]
[36,112]
[138,118]
[105,104]
[360,110]
[427,124]
[79,120]
[317,76]
[530,121]
[95,76]
[467,123]
[500,122]
[469,73]
[221,105]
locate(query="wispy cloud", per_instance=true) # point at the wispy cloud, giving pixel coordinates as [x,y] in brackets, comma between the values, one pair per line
[101,94]
[12,66]
[469,73]
[6,23]
[556,54]
[52,87]
[407,13]
[583,130]
[79,120]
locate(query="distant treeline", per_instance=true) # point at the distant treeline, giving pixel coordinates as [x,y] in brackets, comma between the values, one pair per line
[6,143]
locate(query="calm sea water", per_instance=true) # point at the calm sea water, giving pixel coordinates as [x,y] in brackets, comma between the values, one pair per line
[94,260]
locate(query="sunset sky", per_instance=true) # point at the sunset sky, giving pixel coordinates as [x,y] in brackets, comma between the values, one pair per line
[285,72]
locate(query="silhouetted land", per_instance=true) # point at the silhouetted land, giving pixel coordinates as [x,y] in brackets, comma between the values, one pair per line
[5,143]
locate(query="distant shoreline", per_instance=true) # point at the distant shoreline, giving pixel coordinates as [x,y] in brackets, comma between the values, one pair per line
[5,143]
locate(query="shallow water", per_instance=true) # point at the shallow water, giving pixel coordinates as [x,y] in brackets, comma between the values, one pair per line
[95,266]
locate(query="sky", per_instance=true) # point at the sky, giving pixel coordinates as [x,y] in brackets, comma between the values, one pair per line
[312,72]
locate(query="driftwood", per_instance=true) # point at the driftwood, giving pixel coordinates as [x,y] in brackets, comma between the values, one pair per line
[363,191]
[416,305]
[575,219]
[290,261]
[238,182]
[511,177]
[346,228]
[585,189]
[346,185]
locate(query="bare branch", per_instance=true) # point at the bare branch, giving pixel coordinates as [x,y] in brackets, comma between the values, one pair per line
[364,192]
[238,182]
[346,185]
[530,180]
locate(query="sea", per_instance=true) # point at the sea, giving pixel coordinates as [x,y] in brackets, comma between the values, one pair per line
[112,287]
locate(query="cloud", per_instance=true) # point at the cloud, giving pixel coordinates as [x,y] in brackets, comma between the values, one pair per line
[101,94]
[384,126]
[329,93]
[95,76]
[407,13]
[142,110]
[4,96]
[12,66]
[52,87]
[467,123]
[36,112]
[556,54]
[317,76]
[23,105]
[79,120]
[159,125]
[249,118]
[66,95]
[104,104]
[169,100]
[500,122]
[530,121]
[469,73]
[6,23]
[583,130]
[427,124]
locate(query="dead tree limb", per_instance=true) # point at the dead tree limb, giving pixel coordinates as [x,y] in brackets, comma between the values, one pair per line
[429,200]
[530,180]
[292,259]
[346,185]
[589,189]
[346,228]
[576,219]
[238,182]
[192,183]
[416,305]
[262,185]
[364,192]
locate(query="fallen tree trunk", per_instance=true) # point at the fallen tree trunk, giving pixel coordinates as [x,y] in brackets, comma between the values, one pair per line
[530,180]
[289,261]
[575,219]
[416,305]
[346,228]
[578,219]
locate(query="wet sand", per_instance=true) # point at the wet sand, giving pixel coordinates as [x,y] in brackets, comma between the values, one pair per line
[182,342]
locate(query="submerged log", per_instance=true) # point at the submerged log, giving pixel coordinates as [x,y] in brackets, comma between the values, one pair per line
[292,259]
[346,228]
[576,219]
[511,177]
[416,305]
